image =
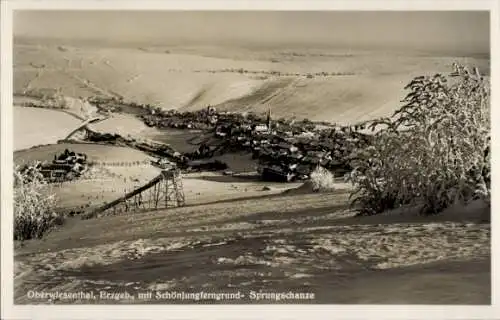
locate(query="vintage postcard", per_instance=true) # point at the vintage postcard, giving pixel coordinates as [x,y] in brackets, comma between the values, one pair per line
[298,157]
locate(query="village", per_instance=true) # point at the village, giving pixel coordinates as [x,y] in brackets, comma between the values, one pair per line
[284,150]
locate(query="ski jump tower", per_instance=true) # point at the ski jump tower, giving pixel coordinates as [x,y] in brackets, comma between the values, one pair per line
[164,191]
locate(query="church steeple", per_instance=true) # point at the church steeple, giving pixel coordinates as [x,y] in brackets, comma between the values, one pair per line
[269,118]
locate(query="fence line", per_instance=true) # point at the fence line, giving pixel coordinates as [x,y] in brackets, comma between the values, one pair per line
[103,164]
[127,181]
[137,163]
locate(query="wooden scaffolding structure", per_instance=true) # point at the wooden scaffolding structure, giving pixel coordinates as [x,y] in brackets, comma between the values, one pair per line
[164,191]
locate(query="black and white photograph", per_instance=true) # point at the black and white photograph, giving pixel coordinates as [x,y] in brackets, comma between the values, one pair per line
[255,157]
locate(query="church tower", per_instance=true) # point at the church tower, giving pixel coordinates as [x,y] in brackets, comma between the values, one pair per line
[269,118]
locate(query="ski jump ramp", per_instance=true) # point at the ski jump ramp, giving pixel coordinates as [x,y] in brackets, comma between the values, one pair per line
[163,191]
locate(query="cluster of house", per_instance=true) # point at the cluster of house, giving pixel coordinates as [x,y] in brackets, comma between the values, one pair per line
[154,116]
[286,153]
[296,158]
[284,149]
[64,167]
[105,104]
[286,156]
[201,120]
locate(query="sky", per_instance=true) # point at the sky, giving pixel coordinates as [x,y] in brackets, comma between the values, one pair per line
[461,31]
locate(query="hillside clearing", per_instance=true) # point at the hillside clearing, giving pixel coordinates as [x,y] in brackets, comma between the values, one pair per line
[36,126]
[192,80]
